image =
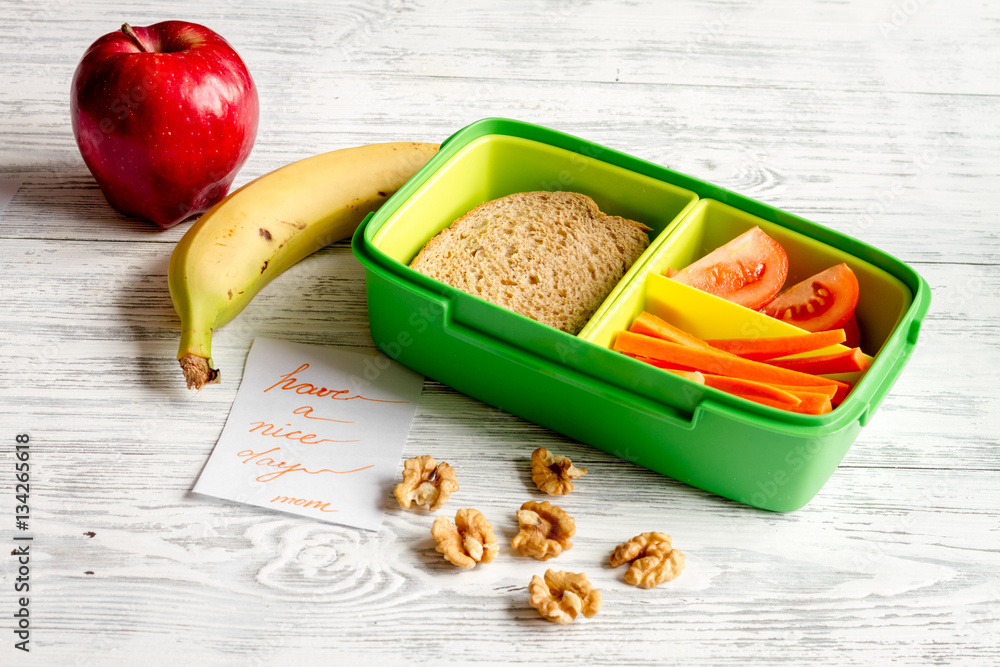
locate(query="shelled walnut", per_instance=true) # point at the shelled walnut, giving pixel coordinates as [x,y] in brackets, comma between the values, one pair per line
[426,482]
[553,474]
[560,596]
[653,560]
[468,541]
[545,530]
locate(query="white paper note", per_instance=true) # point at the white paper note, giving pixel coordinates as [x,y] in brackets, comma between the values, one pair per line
[8,189]
[314,431]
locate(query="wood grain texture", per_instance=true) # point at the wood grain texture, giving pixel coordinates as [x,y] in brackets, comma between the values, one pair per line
[877,119]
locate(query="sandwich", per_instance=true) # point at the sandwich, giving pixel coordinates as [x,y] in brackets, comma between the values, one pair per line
[551,256]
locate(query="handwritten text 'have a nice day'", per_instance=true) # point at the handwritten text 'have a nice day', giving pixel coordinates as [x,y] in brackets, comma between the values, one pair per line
[269,458]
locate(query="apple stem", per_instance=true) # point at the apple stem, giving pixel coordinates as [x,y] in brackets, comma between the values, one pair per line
[127,29]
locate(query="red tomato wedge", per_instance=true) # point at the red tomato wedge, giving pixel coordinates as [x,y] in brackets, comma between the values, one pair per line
[825,301]
[852,332]
[749,270]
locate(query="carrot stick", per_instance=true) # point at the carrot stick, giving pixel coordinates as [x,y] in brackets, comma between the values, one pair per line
[810,402]
[810,398]
[760,349]
[662,364]
[818,404]
[694,376]
[745,387]
[829,390]
[844,361]
[651,325]
[716,361]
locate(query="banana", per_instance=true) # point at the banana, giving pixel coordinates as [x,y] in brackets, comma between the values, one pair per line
[265,227]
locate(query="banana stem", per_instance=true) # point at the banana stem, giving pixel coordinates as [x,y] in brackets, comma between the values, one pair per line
[195,353]
[198,371]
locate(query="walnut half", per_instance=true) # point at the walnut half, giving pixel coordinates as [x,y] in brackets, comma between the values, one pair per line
[654,560]
[553,474]
[545,530]
[560,596]
[426,482]
[468,541]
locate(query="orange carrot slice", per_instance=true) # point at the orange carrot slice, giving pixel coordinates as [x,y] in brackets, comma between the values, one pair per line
[812,398]
[694,376]
[776,395]
[750,387]
[716,361]
[661,364]
[688,373]
[844,361]
[760,349]
[651,325]
[829,390]
[817,404]
[825,395]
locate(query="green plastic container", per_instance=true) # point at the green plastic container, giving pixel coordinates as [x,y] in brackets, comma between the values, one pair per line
[576,385]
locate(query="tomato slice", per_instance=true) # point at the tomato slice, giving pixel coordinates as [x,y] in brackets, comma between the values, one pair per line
[825,301]
[852,333]
[749,270]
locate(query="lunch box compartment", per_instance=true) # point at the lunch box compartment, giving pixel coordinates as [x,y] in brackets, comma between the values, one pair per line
[882,303]
[491,167]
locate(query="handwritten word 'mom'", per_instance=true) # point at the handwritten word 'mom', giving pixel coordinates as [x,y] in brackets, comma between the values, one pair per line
[302,502]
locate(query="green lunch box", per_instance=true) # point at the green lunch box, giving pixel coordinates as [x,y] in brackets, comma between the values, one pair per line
[578,385]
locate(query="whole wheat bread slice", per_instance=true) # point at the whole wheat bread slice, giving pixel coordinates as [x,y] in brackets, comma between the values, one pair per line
[552,256]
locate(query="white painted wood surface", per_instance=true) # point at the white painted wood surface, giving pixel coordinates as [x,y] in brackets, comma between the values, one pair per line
[877,118]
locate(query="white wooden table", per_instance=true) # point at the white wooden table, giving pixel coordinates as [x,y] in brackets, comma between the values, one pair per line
[876,118]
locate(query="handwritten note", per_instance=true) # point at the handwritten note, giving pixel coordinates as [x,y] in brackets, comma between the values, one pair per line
[8,189]
[314,431]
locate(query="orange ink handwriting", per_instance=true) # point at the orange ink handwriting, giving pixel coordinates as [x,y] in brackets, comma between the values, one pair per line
[298,436]
[306,411]
[290,383]
[283,467]
[302,502]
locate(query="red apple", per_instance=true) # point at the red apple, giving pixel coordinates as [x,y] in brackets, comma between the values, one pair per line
[164,116]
